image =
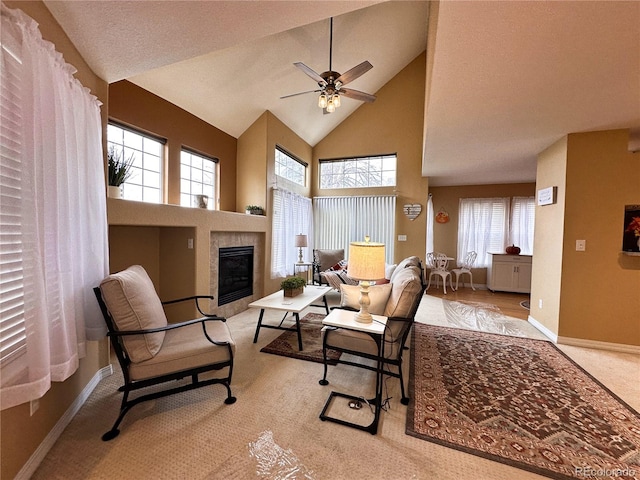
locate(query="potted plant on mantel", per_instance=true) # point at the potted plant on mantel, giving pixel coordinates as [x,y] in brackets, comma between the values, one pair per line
[293,286]
[120,169]
[253,210]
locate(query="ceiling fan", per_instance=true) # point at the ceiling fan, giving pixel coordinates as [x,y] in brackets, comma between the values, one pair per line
[332,83]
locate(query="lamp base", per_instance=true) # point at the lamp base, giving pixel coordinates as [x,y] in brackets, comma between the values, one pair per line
[300,256]
[363,317]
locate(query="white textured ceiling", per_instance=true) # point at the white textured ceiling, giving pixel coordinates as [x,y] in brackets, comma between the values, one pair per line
[509,77]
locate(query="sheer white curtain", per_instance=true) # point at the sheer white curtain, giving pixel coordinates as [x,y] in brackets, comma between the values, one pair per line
[430,218]
[292,215]
[482,227]
[341,220]
[53,247]
[523,214]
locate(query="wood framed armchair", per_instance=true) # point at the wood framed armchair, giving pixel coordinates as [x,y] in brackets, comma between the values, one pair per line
[152,351]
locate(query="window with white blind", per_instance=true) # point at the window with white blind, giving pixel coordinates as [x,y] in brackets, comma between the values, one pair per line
[523,214]
[290,167]
[12,326]
[145,182]
[483,227]
[341,220]
[198,177]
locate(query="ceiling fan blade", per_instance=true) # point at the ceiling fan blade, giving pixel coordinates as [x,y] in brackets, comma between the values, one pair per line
[300,93]
[357,95]
[354,73]
[321,81]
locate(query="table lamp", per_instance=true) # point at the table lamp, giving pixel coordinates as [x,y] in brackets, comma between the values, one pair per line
[366,264]
[301,241]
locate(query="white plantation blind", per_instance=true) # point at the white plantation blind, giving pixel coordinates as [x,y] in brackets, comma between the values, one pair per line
[12,327]
[483,226]
[523,215]
[341,220]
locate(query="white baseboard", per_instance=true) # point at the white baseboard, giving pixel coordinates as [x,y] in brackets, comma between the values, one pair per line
[545,331]
[34,461]
[613,347]
[580,342]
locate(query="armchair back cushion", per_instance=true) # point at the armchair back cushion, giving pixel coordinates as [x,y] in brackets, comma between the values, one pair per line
[325,259]
[134,305]
[405,293]
[378,295]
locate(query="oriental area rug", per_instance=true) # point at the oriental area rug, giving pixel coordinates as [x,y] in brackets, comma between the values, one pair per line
[287,343]
[518,401]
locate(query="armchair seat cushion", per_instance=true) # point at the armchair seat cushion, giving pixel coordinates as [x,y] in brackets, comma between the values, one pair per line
[186,348]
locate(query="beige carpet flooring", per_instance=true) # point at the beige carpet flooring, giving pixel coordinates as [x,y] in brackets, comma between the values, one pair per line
[273,430]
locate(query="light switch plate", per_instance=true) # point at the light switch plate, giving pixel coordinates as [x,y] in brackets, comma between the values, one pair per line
[402,238]
[581,245]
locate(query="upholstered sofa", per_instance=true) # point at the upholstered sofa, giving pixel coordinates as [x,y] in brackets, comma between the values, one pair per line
[398,300]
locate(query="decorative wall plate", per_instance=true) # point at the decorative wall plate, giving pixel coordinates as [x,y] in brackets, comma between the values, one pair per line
[442,216]
[412,210]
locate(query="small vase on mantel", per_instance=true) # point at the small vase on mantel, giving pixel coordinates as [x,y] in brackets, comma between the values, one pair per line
[114,192]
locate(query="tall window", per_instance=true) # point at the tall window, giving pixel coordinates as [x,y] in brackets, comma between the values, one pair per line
[292,215]
[341,220]
[290,167]
[53,246]
[198,177]
[360,172]
[483,226]
[145,183]
[523,214]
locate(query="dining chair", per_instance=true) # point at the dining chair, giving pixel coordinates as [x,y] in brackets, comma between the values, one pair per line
[439,268]
[465,268]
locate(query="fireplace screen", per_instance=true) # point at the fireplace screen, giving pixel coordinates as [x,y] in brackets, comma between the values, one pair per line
[235,274]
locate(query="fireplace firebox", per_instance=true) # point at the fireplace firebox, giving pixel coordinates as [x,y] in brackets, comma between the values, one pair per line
[235,274]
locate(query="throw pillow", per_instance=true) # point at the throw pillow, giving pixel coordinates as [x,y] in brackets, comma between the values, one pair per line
[378,295]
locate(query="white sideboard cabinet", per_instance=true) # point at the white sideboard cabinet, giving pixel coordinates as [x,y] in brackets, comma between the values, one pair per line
[509,273]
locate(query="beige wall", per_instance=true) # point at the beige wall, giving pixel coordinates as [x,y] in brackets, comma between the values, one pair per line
[256,157]
[591,295]
[20,433]
[137,107]
[392,124]
[445,235]
[546,275]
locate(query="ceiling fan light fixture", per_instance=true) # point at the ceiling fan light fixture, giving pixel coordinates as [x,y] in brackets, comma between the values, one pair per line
[336,100]
[322,100]
[331,106]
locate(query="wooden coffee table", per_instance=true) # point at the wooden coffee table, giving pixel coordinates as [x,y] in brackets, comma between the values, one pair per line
[277,301]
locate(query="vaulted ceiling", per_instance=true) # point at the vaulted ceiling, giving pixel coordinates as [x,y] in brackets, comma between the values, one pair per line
[506,79]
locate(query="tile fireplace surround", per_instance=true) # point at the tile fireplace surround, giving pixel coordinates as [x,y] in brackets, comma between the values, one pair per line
[236,239]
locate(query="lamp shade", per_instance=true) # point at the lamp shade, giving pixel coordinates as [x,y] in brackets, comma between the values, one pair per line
[366,260]
[301,240]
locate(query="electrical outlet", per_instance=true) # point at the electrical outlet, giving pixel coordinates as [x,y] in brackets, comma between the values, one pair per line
[540,303]
[581,245]
[190,243]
